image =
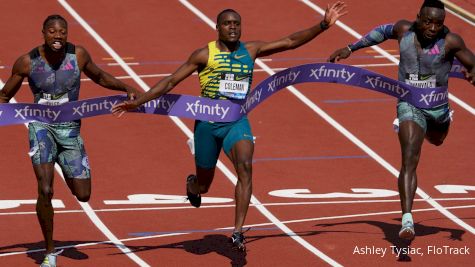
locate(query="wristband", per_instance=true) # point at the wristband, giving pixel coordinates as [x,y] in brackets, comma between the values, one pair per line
[324,25]
[349,48]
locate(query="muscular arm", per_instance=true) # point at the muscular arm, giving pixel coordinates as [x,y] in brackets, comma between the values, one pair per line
[98,75]
[260,49]
[456,46]
[20,70]
[197,59]
[376,36]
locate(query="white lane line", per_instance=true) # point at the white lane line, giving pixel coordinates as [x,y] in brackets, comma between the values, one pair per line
[365,215]
[365,148]
[275,204]
[189,134]
[93,216]
[358,36]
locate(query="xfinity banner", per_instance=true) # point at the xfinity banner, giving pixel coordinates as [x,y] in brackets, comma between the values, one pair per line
[201,108]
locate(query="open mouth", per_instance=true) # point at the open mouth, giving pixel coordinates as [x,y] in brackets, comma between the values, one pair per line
[57,45]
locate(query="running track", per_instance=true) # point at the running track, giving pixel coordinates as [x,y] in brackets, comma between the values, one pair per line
[321,139]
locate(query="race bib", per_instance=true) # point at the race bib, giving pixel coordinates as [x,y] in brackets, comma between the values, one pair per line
[233,86]
[421,80]
[52,100]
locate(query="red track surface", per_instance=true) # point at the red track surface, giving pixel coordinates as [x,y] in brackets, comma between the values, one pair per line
[295,148]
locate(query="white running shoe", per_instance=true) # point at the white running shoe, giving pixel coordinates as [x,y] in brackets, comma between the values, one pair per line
[50,259]
[407,231]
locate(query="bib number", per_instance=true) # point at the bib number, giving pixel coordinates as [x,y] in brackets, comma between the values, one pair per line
[421,80]
[51,100]
[231,87]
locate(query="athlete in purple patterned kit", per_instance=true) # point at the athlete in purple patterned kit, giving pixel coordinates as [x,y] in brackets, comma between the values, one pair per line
[53,71]
[427,50]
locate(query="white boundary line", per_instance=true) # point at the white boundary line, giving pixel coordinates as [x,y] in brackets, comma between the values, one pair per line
[280,204]
[189,134]
[94,218]
[352,32]
[222,228]
[370,152]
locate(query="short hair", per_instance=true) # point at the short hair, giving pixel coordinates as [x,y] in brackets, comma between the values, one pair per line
[52,18]
[433,3]
[225,11]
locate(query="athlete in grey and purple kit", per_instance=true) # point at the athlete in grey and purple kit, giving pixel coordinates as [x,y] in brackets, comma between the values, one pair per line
[53,71]
[427,51]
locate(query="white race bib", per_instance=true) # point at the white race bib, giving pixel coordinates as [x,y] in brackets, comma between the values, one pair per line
[50,100]
[421,81]
[232,88]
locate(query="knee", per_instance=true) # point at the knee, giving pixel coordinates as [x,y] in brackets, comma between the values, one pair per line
[46,192]
[83,197]
[436,142]
[244,166]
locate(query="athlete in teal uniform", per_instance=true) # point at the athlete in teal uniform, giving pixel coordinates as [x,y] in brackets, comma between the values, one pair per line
[427,51]
[53,71]
[225,71]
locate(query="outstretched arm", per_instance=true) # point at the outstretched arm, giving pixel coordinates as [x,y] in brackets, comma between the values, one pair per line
[376,36]
[19,72]
[456,46]
[99,76]
[332,14]
[197,59]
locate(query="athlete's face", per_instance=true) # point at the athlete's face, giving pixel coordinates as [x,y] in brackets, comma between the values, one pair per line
[55,34]
[229,27]
[430,21]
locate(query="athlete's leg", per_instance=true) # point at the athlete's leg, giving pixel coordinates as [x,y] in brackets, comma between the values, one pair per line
[437,132]
[241,156]
[74,162]
[44,209]
[411,137]
[207,149]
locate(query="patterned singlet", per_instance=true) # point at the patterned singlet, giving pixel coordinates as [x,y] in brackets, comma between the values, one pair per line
[426,70]
[228,75]
[54,85]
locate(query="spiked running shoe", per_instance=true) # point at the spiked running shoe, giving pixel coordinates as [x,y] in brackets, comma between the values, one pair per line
[50,259]
[195,199]
[407,231]
[238,241]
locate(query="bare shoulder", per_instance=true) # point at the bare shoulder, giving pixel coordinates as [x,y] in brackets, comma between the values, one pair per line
[402,26]
[82,56]
[453,39]
[199,56]
[22,65]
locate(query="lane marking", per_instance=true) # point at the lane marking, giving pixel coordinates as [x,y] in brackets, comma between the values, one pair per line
[459,12]
[11,204]
[273,204]
[177,233]
[378,49]
[368,150]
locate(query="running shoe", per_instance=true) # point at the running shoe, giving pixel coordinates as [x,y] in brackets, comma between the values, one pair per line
[407,231]
[238,240]
[195,199]
[50,259]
